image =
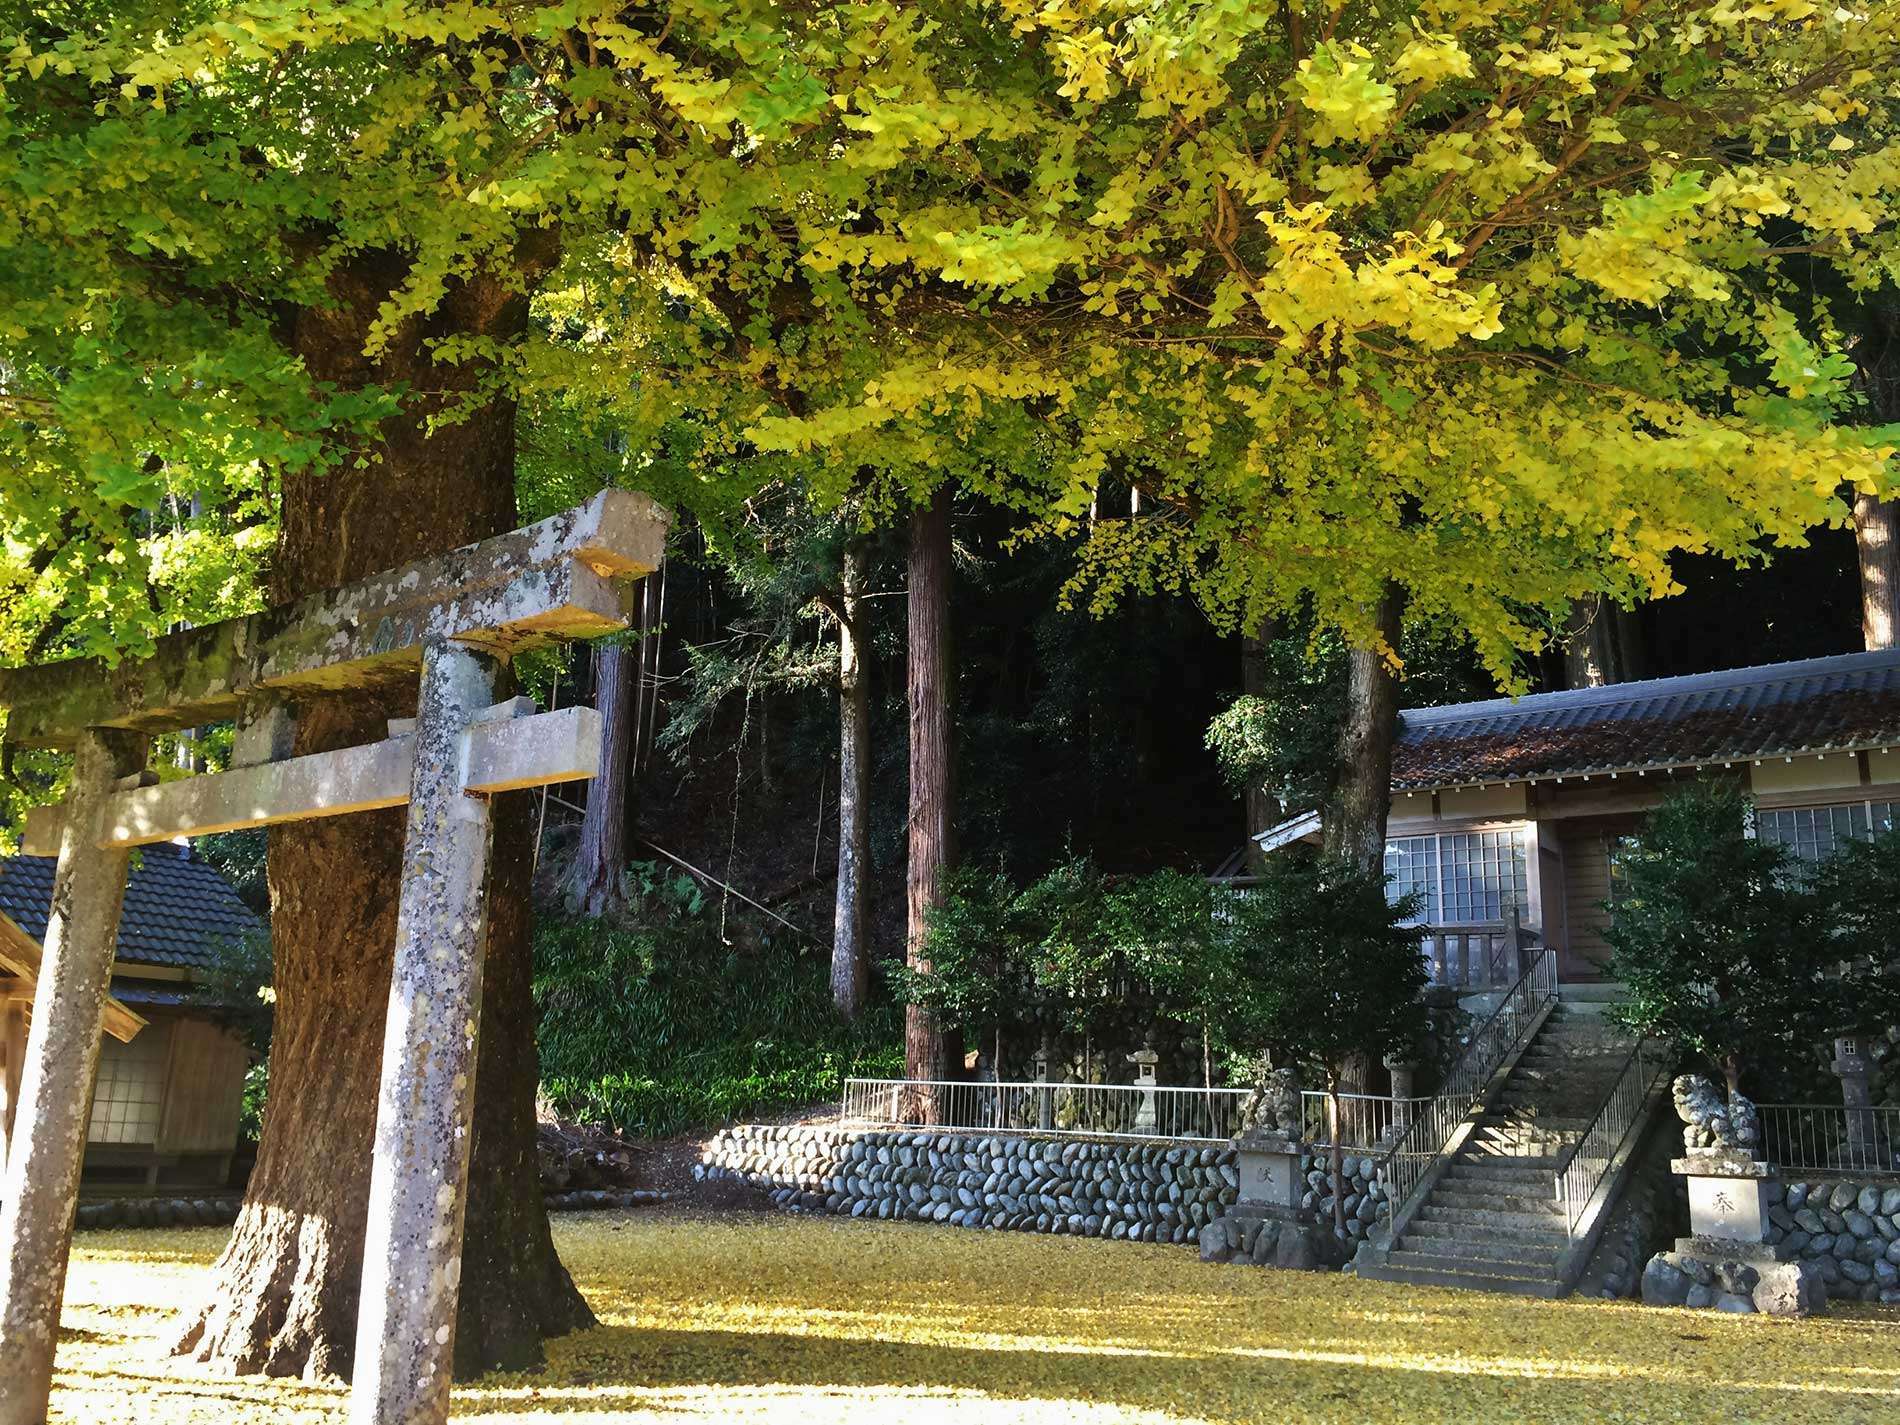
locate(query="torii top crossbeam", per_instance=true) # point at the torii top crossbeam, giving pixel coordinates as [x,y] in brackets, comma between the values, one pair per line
[566,577]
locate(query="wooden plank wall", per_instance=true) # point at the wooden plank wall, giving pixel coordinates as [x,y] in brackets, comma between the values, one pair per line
[1587,886]
[204,1089]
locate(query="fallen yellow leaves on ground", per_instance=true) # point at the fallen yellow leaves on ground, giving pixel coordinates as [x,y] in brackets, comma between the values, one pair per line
[818,1320]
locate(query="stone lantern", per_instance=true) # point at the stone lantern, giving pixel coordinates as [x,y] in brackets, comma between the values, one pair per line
[1855,1072]
[1145,1059]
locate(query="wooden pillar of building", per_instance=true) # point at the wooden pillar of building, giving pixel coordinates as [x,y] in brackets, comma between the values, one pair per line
[418,1195]
[13,1050]
[40,1189]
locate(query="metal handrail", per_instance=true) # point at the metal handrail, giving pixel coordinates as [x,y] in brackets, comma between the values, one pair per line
[1831,1138]
[1502,1031]
[1583,1172]
[1370,1123]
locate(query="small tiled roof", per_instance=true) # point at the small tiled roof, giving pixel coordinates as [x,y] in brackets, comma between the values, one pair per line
[176,911]
[1849,702]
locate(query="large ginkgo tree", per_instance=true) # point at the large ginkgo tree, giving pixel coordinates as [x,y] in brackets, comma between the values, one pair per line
[1484,304]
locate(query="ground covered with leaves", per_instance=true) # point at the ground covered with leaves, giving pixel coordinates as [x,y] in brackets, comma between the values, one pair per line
[740,1316]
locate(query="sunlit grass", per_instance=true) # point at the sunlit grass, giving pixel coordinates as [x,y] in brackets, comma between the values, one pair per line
[818,1320]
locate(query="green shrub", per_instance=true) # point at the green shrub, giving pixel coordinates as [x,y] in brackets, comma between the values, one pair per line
[662,1027]
[1736,953]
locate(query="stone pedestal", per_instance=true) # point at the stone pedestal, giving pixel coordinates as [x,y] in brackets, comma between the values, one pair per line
[1265,1225]
[1728,1207]
[1270,1180]
[1727,1262]
[1728,1195]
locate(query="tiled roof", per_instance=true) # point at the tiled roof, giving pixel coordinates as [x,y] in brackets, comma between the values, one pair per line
[176,911]
[1816,705]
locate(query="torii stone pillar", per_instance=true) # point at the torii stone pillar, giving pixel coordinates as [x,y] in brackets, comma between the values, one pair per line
[41,1187]
[418,1187]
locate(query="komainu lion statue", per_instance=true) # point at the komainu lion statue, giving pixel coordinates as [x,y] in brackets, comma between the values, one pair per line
[1709,1122]
[1274,1105]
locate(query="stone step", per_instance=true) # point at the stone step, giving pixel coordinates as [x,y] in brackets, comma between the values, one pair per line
[1516,1144]
[1497,1267]
[1534,1237]
[1539,1257]
[1518,1212]
[1586,1026]
[1499,1174]
[1579,1044]
[1519,1116]
[1509,1194]
[1572,997]
[1405,1268]
[1556,1082]
[1530,1165]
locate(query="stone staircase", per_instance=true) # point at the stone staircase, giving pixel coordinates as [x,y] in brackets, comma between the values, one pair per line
[1492,1220]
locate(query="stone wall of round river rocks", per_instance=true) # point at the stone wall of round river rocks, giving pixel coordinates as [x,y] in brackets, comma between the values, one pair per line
[1147,1192]
[1849,1230]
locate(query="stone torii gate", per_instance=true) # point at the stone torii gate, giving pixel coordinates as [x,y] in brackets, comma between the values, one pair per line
[451,621]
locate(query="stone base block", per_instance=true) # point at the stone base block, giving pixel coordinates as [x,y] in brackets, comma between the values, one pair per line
[1767,1285]
[1280,1240]
[1728,1249]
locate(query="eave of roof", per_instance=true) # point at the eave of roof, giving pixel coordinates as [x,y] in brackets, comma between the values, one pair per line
[1845,704]
[176,911]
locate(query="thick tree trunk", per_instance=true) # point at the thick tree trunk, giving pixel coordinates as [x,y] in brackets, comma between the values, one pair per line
[849,962]
[1877,536]
[1352,823]
[597,884]
[1262,808]
[284,1293]
[930,675]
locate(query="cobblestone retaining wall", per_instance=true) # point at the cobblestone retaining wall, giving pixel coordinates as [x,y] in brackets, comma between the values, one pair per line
[1147,1192]
[1850,1230]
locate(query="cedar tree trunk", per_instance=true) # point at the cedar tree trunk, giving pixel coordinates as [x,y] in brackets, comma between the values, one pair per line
[849,966]
[1877,535]
[597,883]
[1353,819]
[932,764]
[1352,823]
[284,1293]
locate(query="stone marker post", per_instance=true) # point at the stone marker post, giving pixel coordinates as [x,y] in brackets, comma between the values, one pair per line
[418,1194]
[41,1186]
[1404,1073]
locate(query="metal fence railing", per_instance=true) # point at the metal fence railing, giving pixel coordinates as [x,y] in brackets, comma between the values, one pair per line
[1368,1123]
[1439,1117]
[1197,1115]
[1577,1181]
[1829,1138]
